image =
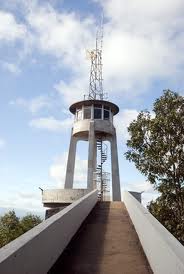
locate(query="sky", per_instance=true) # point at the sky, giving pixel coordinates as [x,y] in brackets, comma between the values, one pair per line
[44,69]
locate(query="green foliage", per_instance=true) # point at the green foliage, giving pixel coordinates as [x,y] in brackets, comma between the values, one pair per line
[29,221]
[9,228]
[12,227]
[165,212]
[156,147]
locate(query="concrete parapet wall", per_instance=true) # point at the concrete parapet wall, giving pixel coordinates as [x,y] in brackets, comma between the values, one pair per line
[104,126]
[164,252]
[63,195]
[37,250]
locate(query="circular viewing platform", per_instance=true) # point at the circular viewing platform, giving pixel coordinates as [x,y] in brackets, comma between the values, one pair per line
[97,104]
[99,111]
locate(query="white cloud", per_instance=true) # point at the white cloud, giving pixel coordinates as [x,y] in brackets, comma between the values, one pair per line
[122,121]
[33,105]
[51,124]
[142,42]
[66,37]
[13,68]
[2,143]
[148,192]
[58,171]
[143,186]
[10,30]
[63,35]
[136,51]
[135,13]
[23,200]
[73,91]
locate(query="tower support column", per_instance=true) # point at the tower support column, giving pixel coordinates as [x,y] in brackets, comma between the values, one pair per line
[91,155]
[116,191]
[71,162]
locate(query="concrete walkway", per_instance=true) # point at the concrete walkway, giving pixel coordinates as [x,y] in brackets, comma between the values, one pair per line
[106,243]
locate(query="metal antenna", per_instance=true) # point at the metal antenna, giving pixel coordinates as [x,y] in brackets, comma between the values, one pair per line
[96,85]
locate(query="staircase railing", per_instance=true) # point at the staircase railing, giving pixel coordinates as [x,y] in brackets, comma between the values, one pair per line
[39,248]
[101,175]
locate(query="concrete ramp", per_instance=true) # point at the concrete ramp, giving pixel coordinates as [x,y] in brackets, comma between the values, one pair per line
[106,243]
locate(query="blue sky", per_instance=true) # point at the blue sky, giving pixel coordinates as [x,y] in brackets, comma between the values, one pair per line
[43,69]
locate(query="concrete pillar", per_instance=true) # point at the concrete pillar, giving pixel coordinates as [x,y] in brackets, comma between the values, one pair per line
[71,162]
[116,191]
[91,155]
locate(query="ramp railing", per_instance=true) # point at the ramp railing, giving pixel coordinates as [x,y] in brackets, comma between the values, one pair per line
[39,248]
[163,251]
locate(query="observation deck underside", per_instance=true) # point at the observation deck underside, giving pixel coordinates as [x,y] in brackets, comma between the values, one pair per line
[106,243]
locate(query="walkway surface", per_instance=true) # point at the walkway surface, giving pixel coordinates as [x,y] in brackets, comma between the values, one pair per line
[106,243]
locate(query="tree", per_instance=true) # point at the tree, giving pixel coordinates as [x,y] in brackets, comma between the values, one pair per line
[12,227]
[156,146]
[29,221]
[165,212]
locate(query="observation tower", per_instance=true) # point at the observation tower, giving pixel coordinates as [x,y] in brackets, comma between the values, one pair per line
[93,122]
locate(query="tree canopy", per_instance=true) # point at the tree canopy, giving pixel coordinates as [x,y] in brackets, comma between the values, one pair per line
[156,146]
[12,227]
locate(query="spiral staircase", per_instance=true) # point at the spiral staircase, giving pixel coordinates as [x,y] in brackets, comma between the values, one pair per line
[102,177]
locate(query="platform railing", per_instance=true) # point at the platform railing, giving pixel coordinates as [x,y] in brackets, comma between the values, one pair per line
[163,251]
[38,249]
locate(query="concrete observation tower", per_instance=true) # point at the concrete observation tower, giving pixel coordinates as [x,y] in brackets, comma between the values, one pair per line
[93,122]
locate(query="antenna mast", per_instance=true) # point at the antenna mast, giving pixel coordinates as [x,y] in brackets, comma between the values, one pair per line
[96,85]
